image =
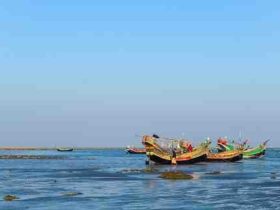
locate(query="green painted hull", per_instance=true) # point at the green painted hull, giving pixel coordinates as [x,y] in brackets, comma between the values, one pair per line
[228,147]
[254,152]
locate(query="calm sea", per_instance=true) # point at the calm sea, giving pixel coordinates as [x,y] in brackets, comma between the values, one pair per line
[112,179]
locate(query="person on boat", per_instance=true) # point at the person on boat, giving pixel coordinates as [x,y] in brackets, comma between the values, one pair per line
[190,147]
[222,144]
[245,144]
[173,159]
[186,146]
[222,141]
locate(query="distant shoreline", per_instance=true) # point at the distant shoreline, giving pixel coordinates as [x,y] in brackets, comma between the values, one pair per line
[75,148]
[55,148]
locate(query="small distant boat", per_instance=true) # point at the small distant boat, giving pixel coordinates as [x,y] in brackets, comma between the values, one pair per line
[65,149]
[133,150]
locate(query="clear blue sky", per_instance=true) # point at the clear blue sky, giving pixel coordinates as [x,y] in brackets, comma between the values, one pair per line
[95,73]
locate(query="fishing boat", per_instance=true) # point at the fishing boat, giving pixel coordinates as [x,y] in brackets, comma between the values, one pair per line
[226,156]
[255,152]
[248,153]
[171,154]
[65,149]
[134,150]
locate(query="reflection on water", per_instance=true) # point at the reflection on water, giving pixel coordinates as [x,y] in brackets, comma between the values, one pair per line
[106,179]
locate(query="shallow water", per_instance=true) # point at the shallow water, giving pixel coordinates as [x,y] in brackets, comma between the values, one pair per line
[107,179]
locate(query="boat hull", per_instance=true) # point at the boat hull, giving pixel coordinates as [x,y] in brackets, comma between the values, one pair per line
[136,151]
[65,150]
[255,152]
[254,155]
[193,160]
[225,159]
[159,160]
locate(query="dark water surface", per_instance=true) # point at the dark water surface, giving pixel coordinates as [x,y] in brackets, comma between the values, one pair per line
[112,179]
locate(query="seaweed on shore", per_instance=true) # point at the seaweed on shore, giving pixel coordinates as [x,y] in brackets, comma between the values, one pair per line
[10,197]
[136,170]
[72,193]
[175,175]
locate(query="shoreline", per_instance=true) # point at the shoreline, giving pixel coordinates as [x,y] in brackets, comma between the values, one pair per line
[55,148]
[75,148]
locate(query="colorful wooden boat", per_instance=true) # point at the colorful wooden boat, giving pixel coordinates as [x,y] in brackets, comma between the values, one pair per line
[255,152]
[226,156]
[135,150]
[161,155]
[248,153]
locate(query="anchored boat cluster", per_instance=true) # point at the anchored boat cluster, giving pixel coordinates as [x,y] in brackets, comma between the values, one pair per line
[174,151]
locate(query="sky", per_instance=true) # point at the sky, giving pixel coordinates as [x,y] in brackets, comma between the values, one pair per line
[104,72]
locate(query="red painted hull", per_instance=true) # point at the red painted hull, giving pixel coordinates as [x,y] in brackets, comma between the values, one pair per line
[136,151]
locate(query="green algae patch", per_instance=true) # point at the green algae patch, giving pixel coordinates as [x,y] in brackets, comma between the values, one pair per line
[150,170]
[174,175]
[139,171]
[72,193]
[10,197]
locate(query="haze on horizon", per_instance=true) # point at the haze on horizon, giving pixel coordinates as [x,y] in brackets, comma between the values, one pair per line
[98,73]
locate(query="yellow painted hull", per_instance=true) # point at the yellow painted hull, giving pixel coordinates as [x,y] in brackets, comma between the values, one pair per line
[157,154]
[229,156]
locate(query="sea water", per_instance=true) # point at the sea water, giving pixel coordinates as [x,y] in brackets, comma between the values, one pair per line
[112,179]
